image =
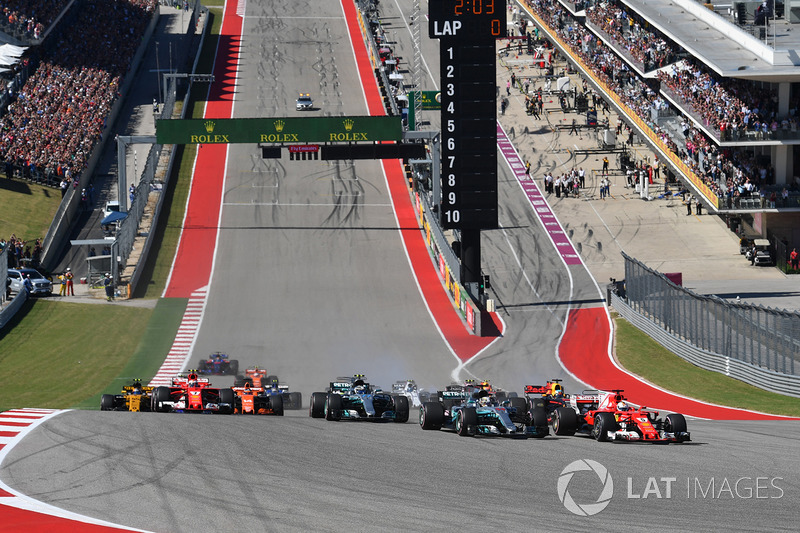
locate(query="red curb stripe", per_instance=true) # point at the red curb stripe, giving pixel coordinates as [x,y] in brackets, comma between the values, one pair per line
[5,494]
[14,424]
[16,520]
[195,255]
[28,417]
[584,352]
[9,433]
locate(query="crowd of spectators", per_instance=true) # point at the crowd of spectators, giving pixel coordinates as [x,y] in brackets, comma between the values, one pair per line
[29,18]
[20,253]
[730,173]
[60,112]
[729,108]
[648,50]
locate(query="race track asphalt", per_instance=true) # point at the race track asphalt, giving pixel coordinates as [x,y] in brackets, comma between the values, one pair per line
[186,473]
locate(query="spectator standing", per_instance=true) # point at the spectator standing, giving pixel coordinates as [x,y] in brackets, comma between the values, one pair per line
[108,283]
[582,177]
[698,206]
[63,187]
[574,127]
[63,279]
[527,170]
[605,166]
[70,287]
[688,202]
[793,259]
[28,284]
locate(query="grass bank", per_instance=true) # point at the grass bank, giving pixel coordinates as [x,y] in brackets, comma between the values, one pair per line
[640,354]
[55,354]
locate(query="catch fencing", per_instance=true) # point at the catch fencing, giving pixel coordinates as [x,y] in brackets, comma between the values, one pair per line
[758,336]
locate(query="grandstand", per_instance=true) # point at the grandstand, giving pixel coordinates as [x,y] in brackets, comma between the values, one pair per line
[712,88]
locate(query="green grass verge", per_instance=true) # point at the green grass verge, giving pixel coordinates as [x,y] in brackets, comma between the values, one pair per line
[47,346]
[55,354]
[640,354]
[150,354]
[26,209]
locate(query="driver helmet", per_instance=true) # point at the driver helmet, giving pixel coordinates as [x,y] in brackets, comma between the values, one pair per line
[622,406]
[360,389]
[558,391]
[485,401]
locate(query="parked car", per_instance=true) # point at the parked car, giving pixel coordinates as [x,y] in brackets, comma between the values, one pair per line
[41,285]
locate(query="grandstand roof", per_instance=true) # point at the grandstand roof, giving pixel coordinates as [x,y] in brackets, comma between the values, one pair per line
[723,46]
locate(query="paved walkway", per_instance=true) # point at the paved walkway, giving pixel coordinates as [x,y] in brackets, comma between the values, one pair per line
[657,231]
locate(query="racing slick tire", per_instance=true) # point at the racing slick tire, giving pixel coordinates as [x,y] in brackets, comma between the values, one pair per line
[233,367]
[401,409]
[466,417]
[536,402]
[501,396]
[431,415]
[238,381]
[107,402]
[565,421]
[160,394]
[276,403]
[675,423]
[316,409]
[227,396]
[512,394]
[603,423]
[295,400]
[539,420]
[521,415]
[201,367]
[333,407]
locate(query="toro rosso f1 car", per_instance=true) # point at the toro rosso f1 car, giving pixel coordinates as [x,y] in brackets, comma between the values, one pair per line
[218,364]
[477,412]
[355,399]
[134,397]
[192,394]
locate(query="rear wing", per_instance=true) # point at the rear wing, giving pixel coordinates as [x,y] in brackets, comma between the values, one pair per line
[453,395]
[341,386]
[183,381]
[537,389]
[131,388]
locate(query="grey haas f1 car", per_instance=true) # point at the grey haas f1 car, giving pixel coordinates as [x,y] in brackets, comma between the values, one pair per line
[355,399]
[478,412]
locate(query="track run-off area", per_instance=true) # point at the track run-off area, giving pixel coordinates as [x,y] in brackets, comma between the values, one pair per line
[318,270]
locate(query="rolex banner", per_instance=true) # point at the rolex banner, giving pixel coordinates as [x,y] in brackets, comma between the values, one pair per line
[279,130]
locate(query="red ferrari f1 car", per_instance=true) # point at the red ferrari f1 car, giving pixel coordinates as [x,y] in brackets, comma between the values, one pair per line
[606,416]
[192,394]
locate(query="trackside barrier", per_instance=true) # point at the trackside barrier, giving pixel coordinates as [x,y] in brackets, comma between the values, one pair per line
[751,374]
[446,260]
[664,151]
[151,167]
[11,309]
[756,335]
